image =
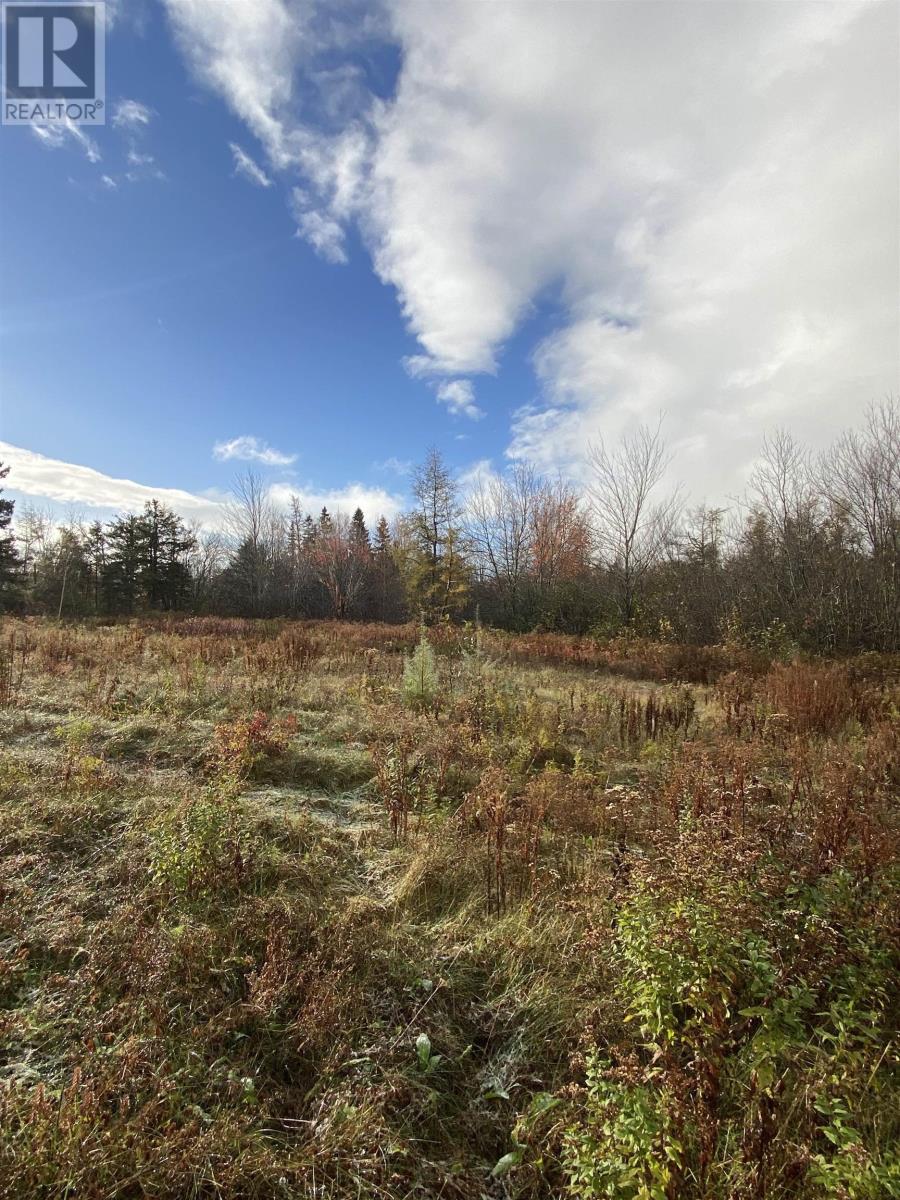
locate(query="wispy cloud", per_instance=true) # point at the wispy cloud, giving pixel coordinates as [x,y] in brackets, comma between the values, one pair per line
[251,449]
[132,114]
[459,396]
[323,232]
[246,52]
[132,119]
[54,137]
[249,54]
[136,159]
[397,466]
[248,167]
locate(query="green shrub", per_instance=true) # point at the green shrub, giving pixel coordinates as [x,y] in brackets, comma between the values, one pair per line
[200,843]
[628,1150]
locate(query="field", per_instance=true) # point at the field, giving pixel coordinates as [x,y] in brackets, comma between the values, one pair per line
[527,917]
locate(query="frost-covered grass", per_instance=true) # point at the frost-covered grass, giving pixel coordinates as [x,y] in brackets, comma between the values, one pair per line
[598,919]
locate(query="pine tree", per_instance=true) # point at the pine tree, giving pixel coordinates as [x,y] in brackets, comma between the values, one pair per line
[249,567]
[420,675]
[143,561]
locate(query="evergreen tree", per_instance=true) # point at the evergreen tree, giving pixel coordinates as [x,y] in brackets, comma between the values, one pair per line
[359,534]
[95,558]
[382,537]
[165,543]
[142,561]
[310,532]
[421,681]
[121,579]
[240,580]
[387,595]
[9,557]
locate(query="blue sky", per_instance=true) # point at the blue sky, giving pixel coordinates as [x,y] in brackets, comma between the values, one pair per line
[334,236]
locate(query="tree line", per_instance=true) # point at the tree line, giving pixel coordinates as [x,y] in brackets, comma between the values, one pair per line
[810,555]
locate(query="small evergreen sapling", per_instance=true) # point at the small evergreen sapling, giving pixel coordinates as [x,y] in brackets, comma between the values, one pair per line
[420,676]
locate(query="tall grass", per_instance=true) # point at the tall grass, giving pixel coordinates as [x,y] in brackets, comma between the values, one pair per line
[598,919]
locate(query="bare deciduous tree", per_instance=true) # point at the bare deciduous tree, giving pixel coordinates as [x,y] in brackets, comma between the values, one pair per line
[500,531]
[207,558]
[861,475]
[34,533]
[631,528]
[254,529]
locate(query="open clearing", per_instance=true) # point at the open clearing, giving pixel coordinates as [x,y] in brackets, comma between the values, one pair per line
[599,919]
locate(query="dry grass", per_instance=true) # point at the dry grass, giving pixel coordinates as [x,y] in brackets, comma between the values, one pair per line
[605,917]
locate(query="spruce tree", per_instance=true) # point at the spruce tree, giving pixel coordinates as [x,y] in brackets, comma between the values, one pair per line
[382,536]
[165,541]
[359,534]
[122,569]
[389,602]
[309,533]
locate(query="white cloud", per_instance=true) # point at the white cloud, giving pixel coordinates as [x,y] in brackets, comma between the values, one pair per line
[251,449]
[141,166]
[245,50]
[249,52]
[133,118]
[54,136]
[375,502]
[707,192]
[132,114]
[41,478]
[459,396]
[323,232]
[247,167]
[69,483]
[109,182]
[113,13]
[481,472]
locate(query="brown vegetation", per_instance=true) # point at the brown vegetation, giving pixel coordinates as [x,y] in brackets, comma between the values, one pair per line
[599,918]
